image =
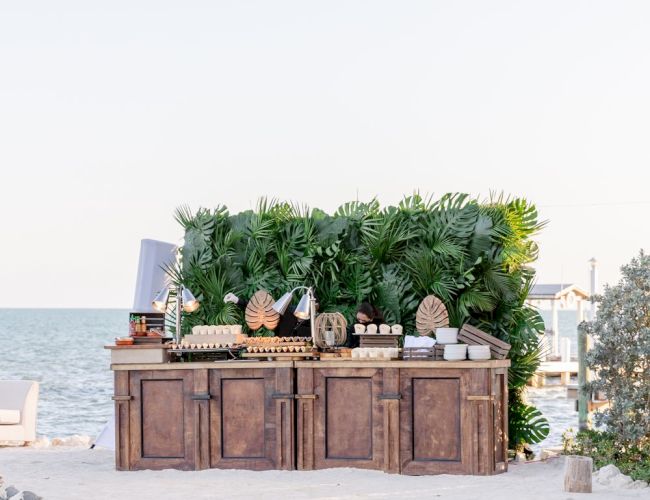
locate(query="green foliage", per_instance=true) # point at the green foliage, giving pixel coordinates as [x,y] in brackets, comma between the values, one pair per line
[527,424]
[608,448]
[472,255]
[621,353]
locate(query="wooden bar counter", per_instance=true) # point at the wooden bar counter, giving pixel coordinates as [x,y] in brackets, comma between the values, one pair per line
[409,417]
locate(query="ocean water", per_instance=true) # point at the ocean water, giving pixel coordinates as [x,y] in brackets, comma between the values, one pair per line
[567,324]
[63,350]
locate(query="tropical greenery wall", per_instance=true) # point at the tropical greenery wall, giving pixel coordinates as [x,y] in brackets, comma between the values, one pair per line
[473,255]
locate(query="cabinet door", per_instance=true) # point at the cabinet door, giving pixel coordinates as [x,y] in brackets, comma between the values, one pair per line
[347,428]
[251,418]
[161,420]
[434,422]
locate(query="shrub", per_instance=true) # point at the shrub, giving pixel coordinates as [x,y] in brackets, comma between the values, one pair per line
[607,448]
[620,356]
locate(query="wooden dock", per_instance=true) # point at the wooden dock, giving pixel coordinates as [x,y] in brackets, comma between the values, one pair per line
[565,369]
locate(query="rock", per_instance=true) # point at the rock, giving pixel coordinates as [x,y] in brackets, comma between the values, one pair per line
[17,496]
[608,471]
[76,440]
[30,495]
[636,485]
[546,454]
[41,442]
[620,481]
[11,491]
[520,457]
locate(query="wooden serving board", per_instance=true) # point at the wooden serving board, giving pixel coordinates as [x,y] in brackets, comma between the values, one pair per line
[279,356]
[277,344]
[359,359]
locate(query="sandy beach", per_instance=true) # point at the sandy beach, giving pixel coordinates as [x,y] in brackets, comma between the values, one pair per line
[76,474]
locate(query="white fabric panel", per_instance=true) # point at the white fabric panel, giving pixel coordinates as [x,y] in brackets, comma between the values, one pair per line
[154,256]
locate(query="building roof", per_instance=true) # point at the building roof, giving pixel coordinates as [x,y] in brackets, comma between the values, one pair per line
[556,291]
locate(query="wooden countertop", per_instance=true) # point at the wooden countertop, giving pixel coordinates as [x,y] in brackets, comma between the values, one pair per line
[137,346]
[201,365]
[353,363]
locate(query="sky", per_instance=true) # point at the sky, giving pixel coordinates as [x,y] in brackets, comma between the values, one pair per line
[112,114]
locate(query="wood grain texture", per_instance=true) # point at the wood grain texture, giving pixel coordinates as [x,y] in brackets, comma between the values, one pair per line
[499,379]
[201,365]
[436,419]
[163,433]
[243,419]
[201,420]
[397,417]
[161,420]
[286,421]
[348,418]
[443,365]
[351,394]
[577,474]
[431,314]
[305,420]
[391,420]
[259,311]
[122,427]
[439,444]
[473,336]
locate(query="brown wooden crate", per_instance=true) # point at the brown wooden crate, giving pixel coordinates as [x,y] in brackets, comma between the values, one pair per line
[378,340]
[473,336]
[419,353]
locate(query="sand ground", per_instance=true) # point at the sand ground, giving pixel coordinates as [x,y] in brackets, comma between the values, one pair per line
[74,473]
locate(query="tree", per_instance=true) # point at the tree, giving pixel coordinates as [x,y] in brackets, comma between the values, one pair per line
[620,356]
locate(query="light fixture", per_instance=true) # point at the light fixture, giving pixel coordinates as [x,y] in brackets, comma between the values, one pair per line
[190,304]
[303,310]
[282,303]
[306,308]
[185,301]
[160,302]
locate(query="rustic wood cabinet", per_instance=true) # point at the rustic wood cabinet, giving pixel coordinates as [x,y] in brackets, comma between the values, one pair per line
[200,415]
[409,417]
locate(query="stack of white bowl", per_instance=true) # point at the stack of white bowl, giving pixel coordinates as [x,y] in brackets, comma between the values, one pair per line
[455,352]
[446,335]
[449,338]
[479,352]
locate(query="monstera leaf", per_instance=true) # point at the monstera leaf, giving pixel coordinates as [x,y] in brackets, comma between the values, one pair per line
[527,424]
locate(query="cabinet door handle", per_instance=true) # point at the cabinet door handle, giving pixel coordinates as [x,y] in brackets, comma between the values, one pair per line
[279,395]
[201,397]
[396,395]
[480,398]
[306,396]
[121,398]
